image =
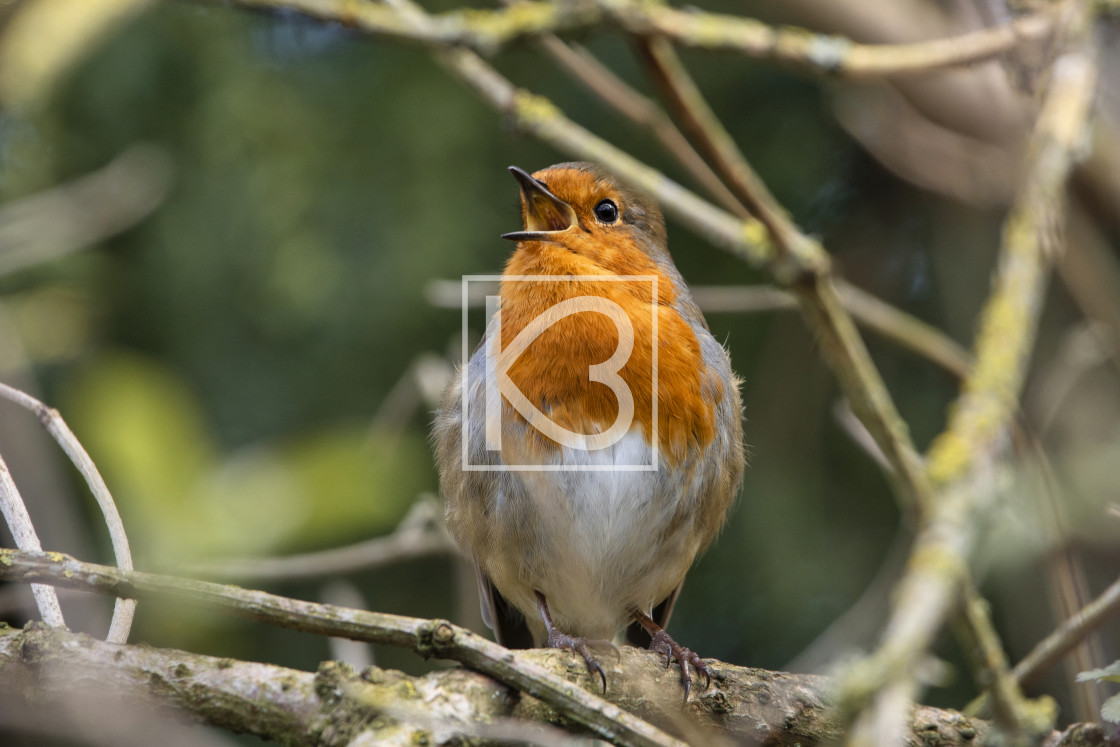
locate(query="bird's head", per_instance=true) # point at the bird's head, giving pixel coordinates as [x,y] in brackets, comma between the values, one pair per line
[586,211]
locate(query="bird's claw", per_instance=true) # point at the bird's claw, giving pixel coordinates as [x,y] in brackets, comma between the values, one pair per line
[582,646]
[663,643]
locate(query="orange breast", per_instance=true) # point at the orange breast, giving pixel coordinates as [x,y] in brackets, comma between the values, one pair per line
[553,371]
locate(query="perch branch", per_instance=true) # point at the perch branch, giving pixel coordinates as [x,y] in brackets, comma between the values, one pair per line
[426,637]
[337,706]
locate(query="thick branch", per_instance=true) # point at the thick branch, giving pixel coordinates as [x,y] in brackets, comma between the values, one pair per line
[426,637]
[337,706]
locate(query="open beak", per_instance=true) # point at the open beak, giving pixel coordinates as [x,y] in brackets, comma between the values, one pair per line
[545,214]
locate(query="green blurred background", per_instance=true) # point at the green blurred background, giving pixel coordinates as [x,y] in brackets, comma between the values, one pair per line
[240,364]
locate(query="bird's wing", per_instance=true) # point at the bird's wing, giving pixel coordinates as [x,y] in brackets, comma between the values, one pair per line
[503,618]
[637,636]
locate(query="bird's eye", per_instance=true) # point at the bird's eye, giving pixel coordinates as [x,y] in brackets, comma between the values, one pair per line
[606,211]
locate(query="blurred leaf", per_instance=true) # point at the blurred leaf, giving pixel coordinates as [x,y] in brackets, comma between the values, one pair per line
[46,37]
[1110,711]
[355,485]
[246,505]
[1110,673]
[54,321]
[180,499]
[146,432]
[321,489]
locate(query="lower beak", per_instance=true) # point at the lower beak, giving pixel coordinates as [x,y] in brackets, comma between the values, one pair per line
[546,215]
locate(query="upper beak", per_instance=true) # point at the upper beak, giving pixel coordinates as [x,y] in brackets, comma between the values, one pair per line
[545,214]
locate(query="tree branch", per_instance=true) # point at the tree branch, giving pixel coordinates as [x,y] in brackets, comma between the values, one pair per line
[616,93]
[426,637]
[420,534]
[961,460]
[14,511]
[1008,323]
[802,266]
[338,706]
[51,420]
[1067,635]
[689,106]
[487,31]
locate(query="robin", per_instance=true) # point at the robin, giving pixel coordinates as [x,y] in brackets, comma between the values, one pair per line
[582,496]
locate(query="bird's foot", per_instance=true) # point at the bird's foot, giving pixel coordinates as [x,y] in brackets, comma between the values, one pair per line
[663,643]
[583,646]
[556,639]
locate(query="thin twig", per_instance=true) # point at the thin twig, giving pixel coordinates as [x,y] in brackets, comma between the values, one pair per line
[89,209]
[742,299]
[800,257]
[408,544]
[849,423]
[989,661]
[838,56]
[124,609]
[1068,586]
[487,31]
[426,637]
[420,534]
[713,139]
[1053,647]
[877,315]
[905,329]
[23,531]
[1063,639]
[620,96]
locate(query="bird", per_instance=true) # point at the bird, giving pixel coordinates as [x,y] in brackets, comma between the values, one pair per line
[582,524]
